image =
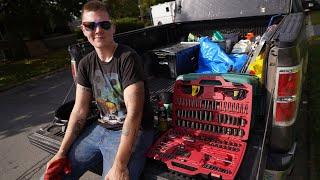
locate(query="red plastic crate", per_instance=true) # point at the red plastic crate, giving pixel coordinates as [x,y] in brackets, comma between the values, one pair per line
[211,122]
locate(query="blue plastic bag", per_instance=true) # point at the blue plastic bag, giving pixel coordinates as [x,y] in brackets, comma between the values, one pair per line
[239,60]
[213,59]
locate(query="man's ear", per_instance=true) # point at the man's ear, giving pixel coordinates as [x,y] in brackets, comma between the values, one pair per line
[113,28]
[82,28]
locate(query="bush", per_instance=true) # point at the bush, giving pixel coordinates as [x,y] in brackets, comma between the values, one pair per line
[128,24]
[79,34]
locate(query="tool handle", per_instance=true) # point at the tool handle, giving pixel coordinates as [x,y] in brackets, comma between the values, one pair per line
[187,169]
[210,80]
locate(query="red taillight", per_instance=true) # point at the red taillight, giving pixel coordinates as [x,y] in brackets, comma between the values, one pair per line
[287,95]
[285,111]
[288,84]
[73,69]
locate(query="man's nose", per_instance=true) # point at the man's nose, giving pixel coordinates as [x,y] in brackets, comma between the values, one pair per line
[98,29]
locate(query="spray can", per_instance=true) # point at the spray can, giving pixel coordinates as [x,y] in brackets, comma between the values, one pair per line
[162,117]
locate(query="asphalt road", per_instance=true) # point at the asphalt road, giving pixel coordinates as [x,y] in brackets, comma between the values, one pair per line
[25,109]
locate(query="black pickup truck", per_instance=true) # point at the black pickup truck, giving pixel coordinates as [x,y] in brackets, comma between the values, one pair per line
[271,147]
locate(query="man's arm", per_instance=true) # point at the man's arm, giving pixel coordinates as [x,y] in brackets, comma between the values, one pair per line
[77,118]
[76,121]
[134,100]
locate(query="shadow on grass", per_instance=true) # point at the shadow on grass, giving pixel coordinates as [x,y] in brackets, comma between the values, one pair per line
[313,79]
[16,72]
[315,17]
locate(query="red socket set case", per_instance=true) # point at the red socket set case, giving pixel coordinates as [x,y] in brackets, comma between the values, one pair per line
[211,123]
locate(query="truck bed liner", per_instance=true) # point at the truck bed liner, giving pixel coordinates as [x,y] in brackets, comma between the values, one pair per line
[49,137]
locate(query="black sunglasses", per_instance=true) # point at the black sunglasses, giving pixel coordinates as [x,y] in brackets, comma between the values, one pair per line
[106,25]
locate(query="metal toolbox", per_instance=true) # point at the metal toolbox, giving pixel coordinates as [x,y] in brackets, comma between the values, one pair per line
[176,59]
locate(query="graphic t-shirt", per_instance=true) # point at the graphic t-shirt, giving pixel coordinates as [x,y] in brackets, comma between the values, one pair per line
[107,80]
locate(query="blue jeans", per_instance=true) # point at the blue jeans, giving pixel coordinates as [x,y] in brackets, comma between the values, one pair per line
[98,144]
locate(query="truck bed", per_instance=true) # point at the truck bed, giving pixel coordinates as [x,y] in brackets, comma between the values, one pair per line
[143,40]
[49,139]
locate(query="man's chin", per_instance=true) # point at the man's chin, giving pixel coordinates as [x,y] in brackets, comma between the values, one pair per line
[99,45]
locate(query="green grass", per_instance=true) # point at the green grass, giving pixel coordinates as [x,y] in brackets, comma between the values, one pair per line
[313,79]
[15,72]
[315,17]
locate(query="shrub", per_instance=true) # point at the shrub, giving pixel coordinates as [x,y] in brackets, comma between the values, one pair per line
[79,34]
[128,24]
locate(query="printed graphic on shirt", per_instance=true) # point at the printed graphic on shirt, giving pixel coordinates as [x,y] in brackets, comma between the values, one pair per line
[109,97]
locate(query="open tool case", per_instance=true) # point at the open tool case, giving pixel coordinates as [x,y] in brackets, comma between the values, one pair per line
[211,123]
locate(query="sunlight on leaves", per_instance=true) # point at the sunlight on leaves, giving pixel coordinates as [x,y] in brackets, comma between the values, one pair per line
[21,117]
[27,61]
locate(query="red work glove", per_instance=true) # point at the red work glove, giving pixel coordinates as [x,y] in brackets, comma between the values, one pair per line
[57,169]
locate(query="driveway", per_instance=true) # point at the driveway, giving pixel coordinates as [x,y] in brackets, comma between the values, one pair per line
[25,109]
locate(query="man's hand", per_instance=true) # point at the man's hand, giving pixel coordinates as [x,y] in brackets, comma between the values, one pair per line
[118,173]
[55,157]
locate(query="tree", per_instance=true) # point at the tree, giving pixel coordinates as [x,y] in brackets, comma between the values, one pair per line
[31,18]
[129,8]
[122,8]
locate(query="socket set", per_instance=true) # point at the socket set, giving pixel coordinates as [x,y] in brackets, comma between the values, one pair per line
[211,123]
